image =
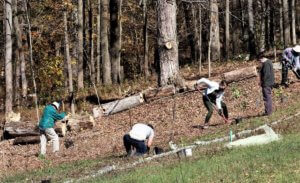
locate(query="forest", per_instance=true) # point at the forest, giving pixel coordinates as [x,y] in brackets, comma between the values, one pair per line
[110,64]
[56,48]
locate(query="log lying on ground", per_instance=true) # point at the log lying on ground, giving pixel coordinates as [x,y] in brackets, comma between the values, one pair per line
[26,140]
[79,123]
[156,93]
[240,74]
[123,104]
[20,129]
[24,129]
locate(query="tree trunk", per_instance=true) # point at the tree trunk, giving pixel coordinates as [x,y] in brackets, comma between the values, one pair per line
[26,140]
[8,58]
[31,62]
[79,123]
[80,46]
[240,74]
[167,42]
[104,43]
[91,42]
[262,25]
[227,34]
[17,54]
[200,40]
[236,26]
[188,14]
[68,59]
[293,7]
[19,129]
[281,21]
[115,38]
[286,23]
[251,41]
[146,46]
[215,32]
[123,104]
[157,93]
[98,57]
[267,24]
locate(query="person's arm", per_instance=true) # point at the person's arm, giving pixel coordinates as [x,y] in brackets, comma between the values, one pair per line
[209,83]
[58,116]
[150,139]
[266,72]
[285,55]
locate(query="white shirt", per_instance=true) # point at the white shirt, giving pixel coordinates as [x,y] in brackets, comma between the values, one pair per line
[141,132]
[211,87]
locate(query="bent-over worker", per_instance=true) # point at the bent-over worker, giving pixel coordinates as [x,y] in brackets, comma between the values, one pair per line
[137,137]
[212,98]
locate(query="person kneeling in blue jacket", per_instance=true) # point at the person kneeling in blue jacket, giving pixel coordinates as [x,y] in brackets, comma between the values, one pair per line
[46,126]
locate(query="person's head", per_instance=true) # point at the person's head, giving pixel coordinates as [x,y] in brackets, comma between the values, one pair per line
[296,50]
[151,126]
[223,85]
[261,57]
[56,105]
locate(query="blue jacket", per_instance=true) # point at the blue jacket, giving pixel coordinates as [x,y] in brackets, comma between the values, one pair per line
[50,116]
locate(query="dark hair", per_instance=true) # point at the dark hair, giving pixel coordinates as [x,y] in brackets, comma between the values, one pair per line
[223,83]
[151,126]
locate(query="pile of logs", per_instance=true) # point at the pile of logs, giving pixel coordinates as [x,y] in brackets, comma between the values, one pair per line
[28,133]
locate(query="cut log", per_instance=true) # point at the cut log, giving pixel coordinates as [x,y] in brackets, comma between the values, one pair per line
[61,128]
[24,129]
[20,129]
[26,140]
[123,104]
[240,74]
[156,93]
[79,123]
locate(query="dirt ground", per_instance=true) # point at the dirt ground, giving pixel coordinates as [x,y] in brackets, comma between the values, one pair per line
[174,118]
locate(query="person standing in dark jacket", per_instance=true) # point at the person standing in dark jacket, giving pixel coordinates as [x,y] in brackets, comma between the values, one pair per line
[267,82]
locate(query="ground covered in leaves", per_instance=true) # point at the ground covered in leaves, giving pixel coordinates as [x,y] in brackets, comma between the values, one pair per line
[175,118]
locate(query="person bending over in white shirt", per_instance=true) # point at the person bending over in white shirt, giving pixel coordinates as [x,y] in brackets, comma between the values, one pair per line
[137,137]
[212,96]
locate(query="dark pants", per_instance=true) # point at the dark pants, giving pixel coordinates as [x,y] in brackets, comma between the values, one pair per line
[137,144]
[284,72]
[267,97]
[209,106]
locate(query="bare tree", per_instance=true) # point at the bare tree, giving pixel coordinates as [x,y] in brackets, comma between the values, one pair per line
[91,41]
[200,40]
[115,38]
[8,57]
[293,7]
[98,57]
[214,31]
[251,39]
[167,42]
[227,34]
[68,60]
[104,43]
[286,23]
[281,21]
[80,45]
[188,15]
[145,34]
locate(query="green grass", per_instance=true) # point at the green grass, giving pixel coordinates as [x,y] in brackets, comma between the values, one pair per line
[275,162]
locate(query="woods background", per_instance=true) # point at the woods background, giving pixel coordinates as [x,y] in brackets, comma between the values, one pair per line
[55,48]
